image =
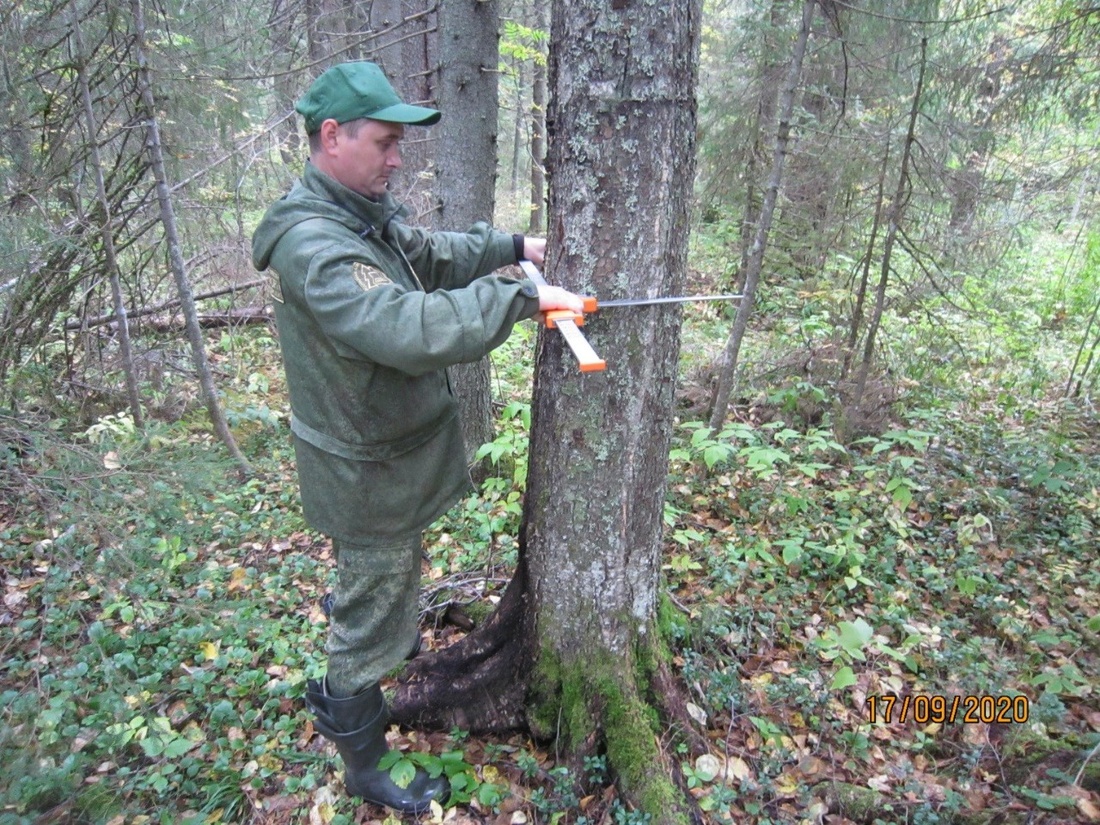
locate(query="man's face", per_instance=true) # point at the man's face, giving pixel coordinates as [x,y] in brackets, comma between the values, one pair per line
[363,162]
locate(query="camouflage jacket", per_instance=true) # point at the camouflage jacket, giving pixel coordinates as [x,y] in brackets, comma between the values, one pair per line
[370,313]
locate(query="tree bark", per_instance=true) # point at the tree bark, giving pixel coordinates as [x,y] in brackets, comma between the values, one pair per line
[405,44]
[574,650]
[755,266]
[285,84]
[770,81]
[622,126]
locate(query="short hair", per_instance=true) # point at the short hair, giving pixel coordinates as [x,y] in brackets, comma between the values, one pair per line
[351,128]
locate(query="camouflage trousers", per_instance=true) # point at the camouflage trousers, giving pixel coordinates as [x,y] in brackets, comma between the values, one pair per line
[373,623]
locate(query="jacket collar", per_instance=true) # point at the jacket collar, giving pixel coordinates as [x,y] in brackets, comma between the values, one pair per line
[369,214]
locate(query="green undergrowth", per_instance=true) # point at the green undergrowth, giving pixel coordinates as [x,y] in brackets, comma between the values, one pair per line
[933,561]
[161,615]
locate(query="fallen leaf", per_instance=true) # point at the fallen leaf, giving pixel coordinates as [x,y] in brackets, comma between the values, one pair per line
[324,806]
[1093,718]
[14,598]
[811,766]
[737,768]
[436,811]
[879,783]
[1088,810]
[816,812]
[708,767]
[697,713]
[786,784]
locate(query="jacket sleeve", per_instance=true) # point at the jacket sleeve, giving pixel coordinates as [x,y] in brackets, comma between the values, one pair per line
[446,260]
[412,331]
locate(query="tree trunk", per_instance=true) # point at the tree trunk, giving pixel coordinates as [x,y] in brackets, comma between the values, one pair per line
[893,223]
[466,182]
[171,234]
[285,84]
[574,650]
[814,178]
[106,230]
[622,125]
[865,270]
[770,82]
[756,253]
[537,224]
[518,133]
[316,36]
[1070,391]
[405,45]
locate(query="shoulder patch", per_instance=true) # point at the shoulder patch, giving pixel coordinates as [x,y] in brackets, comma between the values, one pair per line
[368,277]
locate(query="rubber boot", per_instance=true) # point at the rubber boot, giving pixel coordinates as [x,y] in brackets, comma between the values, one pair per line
[357,726]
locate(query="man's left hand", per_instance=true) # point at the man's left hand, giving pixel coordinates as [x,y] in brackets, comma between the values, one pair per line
[534,250]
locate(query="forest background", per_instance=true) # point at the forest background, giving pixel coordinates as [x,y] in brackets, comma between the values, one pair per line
[884,476]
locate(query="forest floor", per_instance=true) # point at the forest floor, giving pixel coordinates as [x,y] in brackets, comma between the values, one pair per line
[900,628]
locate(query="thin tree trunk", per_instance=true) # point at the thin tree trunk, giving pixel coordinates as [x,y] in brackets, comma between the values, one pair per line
[317,45]
[756,254]
[537,223]
[517,132]
[895,214]
[1086,182]
[106,232]
[1070,392]
[279,28]
[865,274]
[466,187]
[171,234]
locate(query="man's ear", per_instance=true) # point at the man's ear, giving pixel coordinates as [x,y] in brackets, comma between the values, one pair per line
[327,132]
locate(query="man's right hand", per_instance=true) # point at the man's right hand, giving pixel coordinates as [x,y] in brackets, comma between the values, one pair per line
[554,297]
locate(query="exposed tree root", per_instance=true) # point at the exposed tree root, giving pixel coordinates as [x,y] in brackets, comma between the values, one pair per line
[492,681]
[671,698]
[644,772]
[478,684]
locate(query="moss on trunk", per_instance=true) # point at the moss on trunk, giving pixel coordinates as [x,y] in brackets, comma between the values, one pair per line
[595,705]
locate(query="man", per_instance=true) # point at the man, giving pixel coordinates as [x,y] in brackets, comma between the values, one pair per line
[370,314]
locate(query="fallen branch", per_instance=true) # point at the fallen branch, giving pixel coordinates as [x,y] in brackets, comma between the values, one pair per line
[109,318]
[213,320]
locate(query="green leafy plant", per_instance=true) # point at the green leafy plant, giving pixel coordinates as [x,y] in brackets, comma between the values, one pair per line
[508,451]
[462,776]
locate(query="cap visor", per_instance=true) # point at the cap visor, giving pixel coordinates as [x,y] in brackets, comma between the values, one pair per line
[404,113]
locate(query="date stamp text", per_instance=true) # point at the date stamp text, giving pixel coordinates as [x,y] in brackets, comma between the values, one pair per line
[935,708]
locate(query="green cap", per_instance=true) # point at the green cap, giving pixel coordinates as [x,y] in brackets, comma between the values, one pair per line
[354,90]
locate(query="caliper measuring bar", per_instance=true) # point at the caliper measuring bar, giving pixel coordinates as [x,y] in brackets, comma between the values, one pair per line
[566,322]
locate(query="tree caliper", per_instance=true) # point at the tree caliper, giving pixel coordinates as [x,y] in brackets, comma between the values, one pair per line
[568,323]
